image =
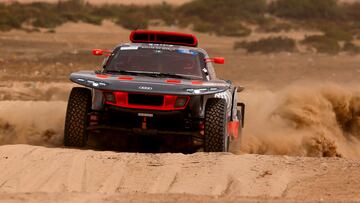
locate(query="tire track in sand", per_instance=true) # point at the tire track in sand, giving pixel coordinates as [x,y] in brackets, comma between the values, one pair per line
[31,170]
[114,180]
[76,176]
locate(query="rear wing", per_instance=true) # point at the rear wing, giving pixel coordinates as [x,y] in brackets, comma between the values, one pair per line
[160,37]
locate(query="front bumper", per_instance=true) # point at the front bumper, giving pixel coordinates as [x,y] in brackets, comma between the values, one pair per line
[146,122]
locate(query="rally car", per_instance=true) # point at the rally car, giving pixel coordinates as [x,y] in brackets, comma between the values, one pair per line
[159,85]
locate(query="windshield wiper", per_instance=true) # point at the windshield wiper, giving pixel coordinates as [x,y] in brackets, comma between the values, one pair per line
[126,72]
[155,74]
[180,76]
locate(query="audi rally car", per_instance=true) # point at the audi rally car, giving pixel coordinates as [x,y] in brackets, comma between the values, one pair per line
[158,85]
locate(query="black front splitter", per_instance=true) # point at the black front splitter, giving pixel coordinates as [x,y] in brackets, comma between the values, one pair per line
[139,131]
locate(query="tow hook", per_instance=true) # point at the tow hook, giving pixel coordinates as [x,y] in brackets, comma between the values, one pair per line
[144,125]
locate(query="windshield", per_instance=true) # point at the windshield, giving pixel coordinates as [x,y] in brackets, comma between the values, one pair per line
[158,60]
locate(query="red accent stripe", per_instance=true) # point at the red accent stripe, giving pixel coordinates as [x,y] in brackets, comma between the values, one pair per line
[173,81]
[102,76]
[125,78]
[197,82]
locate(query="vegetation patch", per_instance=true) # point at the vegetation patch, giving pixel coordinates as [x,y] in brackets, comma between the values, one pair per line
[339,22]
[222,17]
[307,9]
[351,48]
[268,45]
[322,44]
[336,33]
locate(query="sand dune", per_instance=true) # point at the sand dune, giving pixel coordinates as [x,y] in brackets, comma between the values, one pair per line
[68,175]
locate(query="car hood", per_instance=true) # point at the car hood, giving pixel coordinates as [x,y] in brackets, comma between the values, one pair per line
[155,85]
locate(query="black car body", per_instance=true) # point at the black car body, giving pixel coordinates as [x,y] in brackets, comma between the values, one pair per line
[161,84]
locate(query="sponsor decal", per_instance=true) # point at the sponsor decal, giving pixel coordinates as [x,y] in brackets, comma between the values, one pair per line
[129,48]
[150,115]
[228,98]
[158,47]
[145,88]
[187,51]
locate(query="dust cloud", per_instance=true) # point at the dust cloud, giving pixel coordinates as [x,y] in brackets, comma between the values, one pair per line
[34,91]
[303,120]
[32,122]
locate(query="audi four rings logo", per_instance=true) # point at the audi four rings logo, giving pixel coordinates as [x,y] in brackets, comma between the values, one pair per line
[145,88]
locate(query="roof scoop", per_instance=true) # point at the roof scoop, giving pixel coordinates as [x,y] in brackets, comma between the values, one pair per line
[160,37]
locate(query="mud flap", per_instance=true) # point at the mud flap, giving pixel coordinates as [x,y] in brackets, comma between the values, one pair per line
[234,129]
[242,113]
[237,122]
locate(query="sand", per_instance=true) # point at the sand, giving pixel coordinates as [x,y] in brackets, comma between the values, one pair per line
[69,175]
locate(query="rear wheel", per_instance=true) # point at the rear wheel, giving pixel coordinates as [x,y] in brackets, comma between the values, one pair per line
[216,139]
[77,119]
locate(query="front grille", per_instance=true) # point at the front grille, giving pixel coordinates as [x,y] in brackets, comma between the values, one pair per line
[148,100]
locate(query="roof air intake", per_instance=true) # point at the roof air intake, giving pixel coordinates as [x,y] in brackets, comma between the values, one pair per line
[160,37]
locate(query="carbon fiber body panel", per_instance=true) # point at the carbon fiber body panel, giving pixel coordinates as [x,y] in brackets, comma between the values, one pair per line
[147,84]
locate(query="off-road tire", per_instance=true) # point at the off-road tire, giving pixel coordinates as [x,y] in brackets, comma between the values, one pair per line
[77,119]
[216,139]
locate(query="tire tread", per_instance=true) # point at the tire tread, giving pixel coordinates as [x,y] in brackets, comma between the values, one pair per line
[76,120]
[215,124]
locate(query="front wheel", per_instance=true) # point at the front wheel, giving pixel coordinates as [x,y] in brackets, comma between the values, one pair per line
[77,119]
[216,138]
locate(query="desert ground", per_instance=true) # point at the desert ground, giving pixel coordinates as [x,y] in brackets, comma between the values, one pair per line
[300,141]
[138,2]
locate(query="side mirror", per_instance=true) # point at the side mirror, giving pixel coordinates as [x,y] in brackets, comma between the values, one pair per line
[100,52]
[217,60]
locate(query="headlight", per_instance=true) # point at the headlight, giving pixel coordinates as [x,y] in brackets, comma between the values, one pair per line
[197,91]
[92,82]
[201,90]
